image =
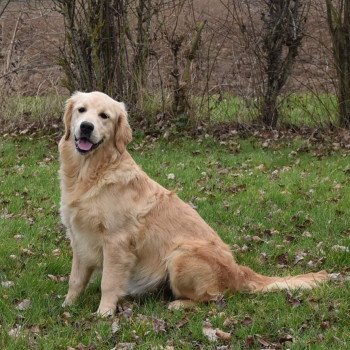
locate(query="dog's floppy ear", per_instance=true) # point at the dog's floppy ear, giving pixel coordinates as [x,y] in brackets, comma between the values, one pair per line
[123,132]
[68,117]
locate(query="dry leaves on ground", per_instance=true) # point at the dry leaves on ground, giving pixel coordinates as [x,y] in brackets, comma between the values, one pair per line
[213,334]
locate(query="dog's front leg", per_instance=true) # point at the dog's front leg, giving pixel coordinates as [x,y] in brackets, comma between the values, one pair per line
[78,279]
[118,260]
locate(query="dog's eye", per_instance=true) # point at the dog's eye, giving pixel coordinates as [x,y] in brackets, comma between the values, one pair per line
[103,115]
[82,109]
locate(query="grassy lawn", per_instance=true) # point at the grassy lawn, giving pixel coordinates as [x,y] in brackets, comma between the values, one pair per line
[283,208]
[29,109]
[303,109]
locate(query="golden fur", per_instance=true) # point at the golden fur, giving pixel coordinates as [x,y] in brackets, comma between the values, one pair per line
[136,231]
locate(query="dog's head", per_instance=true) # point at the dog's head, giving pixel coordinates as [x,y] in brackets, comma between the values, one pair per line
[93,120]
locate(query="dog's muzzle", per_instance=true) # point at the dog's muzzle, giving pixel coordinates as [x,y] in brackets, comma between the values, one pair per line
[84,145]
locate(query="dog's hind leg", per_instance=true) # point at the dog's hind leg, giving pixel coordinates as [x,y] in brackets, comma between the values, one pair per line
[193,279]
[202,272]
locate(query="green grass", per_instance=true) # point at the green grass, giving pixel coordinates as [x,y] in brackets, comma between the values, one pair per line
[296,109]
[30,109]
[242,190]
[310,110]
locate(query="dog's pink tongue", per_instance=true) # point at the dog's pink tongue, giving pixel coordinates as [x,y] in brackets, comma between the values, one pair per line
[84,145]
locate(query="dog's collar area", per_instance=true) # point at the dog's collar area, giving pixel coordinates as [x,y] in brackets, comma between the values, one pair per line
[85,141]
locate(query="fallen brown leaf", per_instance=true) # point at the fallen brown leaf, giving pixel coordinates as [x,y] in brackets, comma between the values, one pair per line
[340,248]
[229,322]
[159,325]
[237,189]
[124,346]
[285,338]
[66,315]
[81,346]
[225,336]
[56,252]
[15,332]
[266,343]
[182,322]
[35,329]
[23,305]
[247,321]
[282,259]
[115,326]
[292,300]
[209,331]
[325,324]
[249,342]
[7,284]
[125,311]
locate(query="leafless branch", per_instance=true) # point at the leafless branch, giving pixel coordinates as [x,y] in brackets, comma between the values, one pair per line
[4,8]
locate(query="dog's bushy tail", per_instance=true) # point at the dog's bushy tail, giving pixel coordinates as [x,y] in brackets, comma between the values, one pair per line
[255,283]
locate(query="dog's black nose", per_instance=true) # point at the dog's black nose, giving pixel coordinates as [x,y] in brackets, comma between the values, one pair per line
[86,128]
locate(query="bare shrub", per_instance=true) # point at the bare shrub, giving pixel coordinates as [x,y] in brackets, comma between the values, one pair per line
[141,45]
[103,50]
[199,59]
[182,36]
[28,47]
[94,55]
[272,31]
[29,32]
[285,25]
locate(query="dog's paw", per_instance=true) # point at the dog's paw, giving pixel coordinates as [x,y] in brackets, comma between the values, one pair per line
[104,312]
[67,302]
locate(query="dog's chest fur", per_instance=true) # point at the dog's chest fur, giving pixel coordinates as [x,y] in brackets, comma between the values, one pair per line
[102,209]
[86,226]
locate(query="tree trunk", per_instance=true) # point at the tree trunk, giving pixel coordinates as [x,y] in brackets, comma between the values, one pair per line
[343,52]
[183,83]
[339,26]
[142,47]
[344,100]
[269,114]
[284,29]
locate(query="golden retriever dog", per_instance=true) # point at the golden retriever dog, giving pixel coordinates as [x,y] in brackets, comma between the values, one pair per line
[137,232]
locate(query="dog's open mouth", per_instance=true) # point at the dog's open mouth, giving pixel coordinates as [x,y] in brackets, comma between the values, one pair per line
[84,145]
